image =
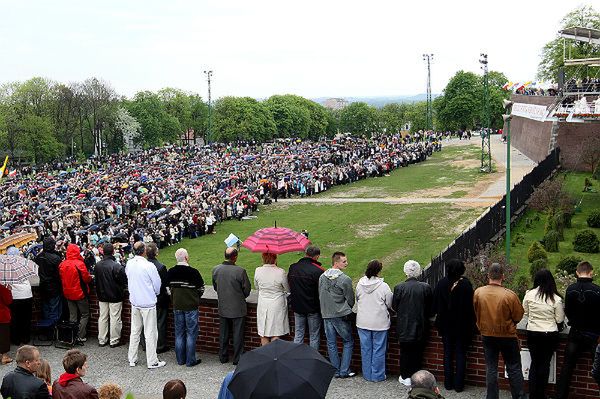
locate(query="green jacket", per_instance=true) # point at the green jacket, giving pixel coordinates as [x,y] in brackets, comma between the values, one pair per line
[423,393]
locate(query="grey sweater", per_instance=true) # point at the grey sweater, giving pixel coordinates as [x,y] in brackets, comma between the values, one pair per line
[335,294]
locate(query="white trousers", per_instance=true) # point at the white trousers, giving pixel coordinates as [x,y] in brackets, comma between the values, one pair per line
[110,311]
[143,318]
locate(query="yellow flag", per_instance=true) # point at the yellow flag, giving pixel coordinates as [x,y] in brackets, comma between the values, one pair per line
[3,167]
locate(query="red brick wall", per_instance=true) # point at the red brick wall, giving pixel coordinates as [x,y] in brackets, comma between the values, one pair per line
[583,386]
[532,138]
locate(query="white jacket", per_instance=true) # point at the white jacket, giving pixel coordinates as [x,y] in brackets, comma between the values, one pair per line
[373,298]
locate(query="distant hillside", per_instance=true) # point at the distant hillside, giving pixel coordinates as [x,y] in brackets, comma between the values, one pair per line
[381,101]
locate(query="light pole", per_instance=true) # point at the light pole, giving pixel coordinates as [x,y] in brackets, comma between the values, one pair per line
[429,58]
[486,151]
[507,117]
[209,132]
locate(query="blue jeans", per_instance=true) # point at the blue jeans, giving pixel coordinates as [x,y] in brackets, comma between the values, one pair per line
[314,328]
[52,308]
[509,347]
[186,333]
[334,327]
[373,345]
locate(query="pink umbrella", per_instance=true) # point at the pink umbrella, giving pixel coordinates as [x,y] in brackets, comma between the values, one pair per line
[276,240]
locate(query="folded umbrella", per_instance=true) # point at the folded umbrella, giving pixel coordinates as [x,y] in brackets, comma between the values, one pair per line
[15,269]
[276,240]
[283,370]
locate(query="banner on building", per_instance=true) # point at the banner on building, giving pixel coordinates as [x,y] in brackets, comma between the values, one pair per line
[530,111]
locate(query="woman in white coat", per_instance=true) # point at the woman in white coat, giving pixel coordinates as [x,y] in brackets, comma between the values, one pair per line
[374,299]
[272,310]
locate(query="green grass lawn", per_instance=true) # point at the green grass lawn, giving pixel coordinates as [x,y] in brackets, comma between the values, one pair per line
[364,231]
[455,166]
[589,202]
[390,233]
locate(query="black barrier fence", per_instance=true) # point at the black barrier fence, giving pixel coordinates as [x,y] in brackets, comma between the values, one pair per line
[492,222]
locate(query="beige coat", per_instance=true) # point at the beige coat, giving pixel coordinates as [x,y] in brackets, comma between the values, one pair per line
[272,310]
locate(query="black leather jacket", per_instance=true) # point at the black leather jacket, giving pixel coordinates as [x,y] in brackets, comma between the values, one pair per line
[412,303]
[582,301]
[111,280]
[303,278]
[21,384]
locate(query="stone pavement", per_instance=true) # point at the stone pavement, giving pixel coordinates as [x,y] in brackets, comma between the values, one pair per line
[203,381]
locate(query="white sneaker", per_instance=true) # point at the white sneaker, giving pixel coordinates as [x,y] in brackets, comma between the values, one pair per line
[131,364]
[161,363]
[404,381]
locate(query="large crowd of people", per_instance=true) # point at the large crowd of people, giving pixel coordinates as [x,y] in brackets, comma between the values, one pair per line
[164,194]
[319,298]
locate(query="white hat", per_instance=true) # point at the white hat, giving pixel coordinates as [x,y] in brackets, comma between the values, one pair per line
[412,269]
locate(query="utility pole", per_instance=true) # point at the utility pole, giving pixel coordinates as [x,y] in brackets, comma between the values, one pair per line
[209,131]
[429,58]
[486,130]
[507,118]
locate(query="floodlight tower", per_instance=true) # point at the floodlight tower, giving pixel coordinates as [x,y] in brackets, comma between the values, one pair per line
[429,58]
[209,132]
[486,151]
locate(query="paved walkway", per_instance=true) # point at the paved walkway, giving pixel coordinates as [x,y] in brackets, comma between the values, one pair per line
[203,381]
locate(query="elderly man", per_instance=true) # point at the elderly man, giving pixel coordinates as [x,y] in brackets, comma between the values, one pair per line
[187,287]
[412,303]
[424,386]
[22,383]
[111,282]
[498,310]
[144,286]
[233,287]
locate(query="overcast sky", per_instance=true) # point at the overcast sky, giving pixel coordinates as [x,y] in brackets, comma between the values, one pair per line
[324,48]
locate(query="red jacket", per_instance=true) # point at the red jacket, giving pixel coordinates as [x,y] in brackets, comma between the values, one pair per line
[5,300]
[70,277]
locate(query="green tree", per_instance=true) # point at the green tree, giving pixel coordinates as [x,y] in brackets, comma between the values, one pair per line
[157,125]
[392,117]
[358,118]
[416,114]
[242,118]
[460,105]
[552,53]
[290,117]
[39,141]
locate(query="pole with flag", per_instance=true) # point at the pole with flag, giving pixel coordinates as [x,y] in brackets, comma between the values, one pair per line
[3,167]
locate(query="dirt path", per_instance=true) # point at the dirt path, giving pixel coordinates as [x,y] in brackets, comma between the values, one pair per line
[485,192]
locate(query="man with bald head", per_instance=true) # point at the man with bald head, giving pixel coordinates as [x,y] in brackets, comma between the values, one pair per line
[233,287]
[187,286]
[144,286]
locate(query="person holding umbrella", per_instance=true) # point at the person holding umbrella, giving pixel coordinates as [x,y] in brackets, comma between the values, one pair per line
[271,311]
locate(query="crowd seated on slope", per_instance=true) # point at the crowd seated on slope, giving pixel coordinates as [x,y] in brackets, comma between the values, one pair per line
[164,194]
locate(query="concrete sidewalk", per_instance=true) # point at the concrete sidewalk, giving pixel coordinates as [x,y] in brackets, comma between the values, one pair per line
[203,381]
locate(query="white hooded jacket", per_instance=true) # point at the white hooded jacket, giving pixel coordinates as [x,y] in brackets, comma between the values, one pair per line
[374,298]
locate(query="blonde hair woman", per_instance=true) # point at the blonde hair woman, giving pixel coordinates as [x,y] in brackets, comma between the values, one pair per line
[272,310]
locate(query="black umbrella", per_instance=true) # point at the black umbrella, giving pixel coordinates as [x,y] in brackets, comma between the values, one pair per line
[282,369]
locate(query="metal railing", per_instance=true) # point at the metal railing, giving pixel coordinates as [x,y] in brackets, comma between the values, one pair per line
[492,222]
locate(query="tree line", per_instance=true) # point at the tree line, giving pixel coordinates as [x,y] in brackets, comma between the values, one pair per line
[42,120]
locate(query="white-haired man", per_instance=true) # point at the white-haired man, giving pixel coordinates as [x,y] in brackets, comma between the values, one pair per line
[412,303]
[187,287]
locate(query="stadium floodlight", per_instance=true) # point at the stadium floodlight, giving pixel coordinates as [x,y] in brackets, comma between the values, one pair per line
[507,104]
[208,131]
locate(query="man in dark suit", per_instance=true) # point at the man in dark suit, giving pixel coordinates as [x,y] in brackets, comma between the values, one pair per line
[233,287]
[162,299]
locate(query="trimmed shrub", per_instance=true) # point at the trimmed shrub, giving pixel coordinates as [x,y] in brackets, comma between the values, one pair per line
[536,266]
[551,241]
[567,218]
[536,251]
[555,222]
[586,241]
[520,286]
[568,264]
[594,219]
